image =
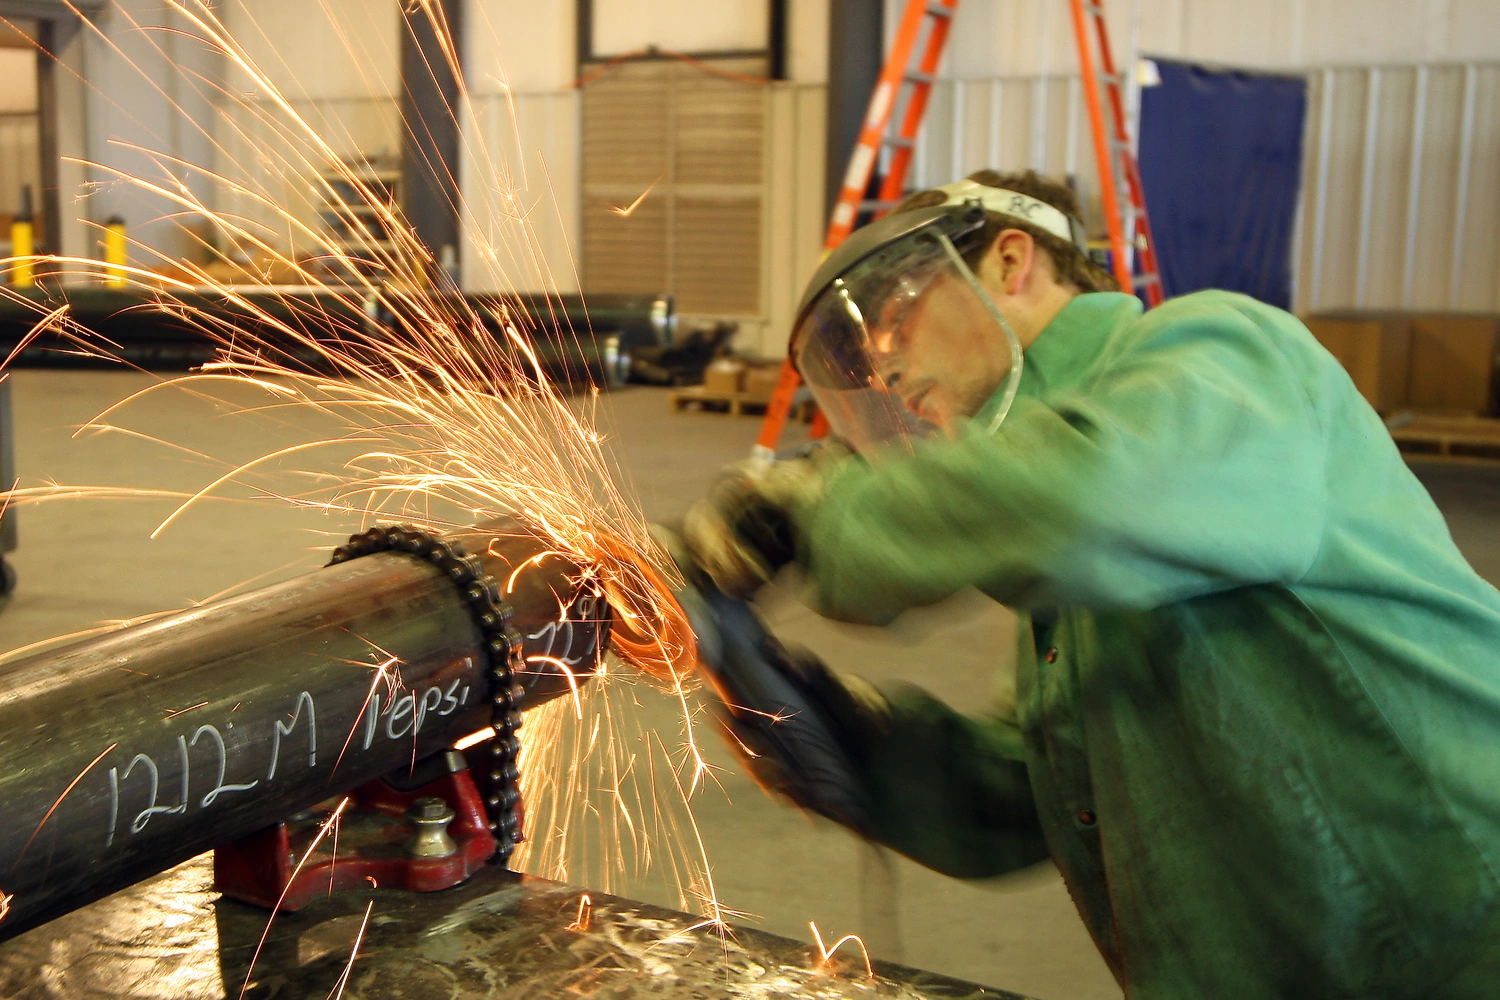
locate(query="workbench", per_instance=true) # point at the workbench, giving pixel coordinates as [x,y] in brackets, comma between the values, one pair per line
[500,935]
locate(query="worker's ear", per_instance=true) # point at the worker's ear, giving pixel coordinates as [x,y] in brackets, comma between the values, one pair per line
[1009,261]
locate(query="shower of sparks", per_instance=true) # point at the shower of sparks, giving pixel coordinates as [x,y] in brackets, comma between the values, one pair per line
[445,416]
[824,954]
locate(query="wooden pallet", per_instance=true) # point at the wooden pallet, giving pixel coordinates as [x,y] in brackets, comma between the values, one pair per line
[734,403]
[1439,438]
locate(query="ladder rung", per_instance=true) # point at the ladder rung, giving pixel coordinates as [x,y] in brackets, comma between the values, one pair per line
[913,76]
[900,141]
[939,10]
[1094,9]
[877,206]
[1143,280]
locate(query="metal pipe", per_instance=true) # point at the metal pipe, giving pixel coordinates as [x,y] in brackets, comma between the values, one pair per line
[123,755]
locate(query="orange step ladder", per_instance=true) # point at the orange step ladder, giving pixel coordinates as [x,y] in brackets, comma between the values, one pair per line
[1112,147]
[1132,252]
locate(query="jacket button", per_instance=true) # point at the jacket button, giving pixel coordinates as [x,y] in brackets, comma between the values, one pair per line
[1086,817]
[1052,655]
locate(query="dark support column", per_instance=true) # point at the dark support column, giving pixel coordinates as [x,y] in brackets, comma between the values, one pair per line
[50,232]
[776,39]
[429,131]
[585,34]
[855,56]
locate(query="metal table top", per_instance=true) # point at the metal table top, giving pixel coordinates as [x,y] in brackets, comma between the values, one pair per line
[500,935]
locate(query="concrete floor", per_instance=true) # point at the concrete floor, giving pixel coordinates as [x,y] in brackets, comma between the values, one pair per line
[81,562]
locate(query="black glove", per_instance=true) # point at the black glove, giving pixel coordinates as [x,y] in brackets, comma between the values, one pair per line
[799,729]
[741,534]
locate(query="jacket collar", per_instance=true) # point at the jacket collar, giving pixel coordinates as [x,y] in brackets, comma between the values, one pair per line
[1068,345]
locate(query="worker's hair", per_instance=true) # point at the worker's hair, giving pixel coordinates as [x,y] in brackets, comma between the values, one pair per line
[1069,265]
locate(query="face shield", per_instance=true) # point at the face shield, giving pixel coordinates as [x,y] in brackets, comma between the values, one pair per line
[906,339]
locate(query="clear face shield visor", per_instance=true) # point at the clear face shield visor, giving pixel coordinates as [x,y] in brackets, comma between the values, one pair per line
[898,327]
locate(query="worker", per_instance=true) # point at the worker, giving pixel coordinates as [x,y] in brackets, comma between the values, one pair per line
[1257,713]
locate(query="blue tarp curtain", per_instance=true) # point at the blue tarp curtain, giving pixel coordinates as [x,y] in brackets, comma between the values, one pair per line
[1221,163]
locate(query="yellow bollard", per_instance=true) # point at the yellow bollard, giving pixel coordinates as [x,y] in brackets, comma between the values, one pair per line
[116,256]
[23,244]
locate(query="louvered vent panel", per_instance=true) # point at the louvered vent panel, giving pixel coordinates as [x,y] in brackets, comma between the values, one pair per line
[626,125]
[720,128]
[699,138]
[624,254]
[716,255]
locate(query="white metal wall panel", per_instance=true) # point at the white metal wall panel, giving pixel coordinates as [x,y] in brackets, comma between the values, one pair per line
[1008,123]
[520,183]
[795,214]
[1401,192]
[1476,249]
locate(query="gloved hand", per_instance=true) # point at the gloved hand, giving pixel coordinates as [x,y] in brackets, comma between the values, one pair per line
[741,534]
[800,730]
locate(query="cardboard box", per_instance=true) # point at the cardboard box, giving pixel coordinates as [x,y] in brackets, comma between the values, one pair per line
[724,377]
[760,381]
[1374,348]
[1453,363]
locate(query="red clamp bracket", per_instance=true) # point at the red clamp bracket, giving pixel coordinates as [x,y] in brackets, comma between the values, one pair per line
[431,834]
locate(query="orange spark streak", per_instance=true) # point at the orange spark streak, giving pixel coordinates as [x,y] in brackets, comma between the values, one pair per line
[824,954]
[71,785]
[174,714]
[353,953]
[473,739]
[536,560]
[380,675]
[585,915]
[568,673]
[625,213]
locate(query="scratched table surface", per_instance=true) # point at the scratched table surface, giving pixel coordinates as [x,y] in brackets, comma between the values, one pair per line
[499,936]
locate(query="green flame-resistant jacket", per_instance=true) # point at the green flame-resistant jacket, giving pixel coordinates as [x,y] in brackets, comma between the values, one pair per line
[1258,693]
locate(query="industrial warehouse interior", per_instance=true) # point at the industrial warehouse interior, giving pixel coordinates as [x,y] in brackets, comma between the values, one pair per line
[455,450]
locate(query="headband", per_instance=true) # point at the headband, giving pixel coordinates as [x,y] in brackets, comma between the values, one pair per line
[1022,206]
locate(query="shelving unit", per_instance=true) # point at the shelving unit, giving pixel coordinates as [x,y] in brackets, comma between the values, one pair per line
[346,215]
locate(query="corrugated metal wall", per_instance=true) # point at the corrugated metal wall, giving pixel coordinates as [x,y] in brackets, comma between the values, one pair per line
[1401,193]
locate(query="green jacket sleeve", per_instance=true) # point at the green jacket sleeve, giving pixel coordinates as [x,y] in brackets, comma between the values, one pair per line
[1189,461]
[951,791]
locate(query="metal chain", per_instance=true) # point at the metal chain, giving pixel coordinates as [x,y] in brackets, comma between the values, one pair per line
[502,646]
